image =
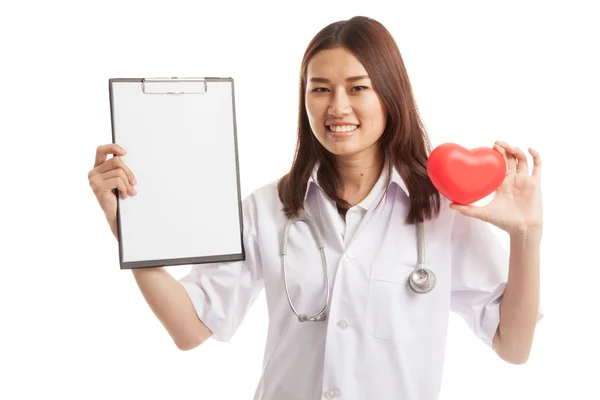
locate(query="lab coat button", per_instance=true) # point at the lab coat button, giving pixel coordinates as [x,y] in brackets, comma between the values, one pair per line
[342,324]
[332,393]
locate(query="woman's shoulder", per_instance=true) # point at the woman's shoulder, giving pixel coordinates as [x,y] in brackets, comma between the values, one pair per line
[265,196]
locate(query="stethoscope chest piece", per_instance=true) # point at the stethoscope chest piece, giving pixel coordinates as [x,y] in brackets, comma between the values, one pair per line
[422,280]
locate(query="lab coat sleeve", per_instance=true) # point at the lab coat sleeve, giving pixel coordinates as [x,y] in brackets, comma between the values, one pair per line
[479,276]
[222,293]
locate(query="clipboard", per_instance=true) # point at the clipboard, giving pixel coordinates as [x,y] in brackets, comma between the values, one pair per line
[181,140]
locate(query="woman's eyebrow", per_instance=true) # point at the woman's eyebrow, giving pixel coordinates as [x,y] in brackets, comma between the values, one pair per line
[351,79]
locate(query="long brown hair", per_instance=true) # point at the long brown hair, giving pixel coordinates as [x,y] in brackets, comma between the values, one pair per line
[404,141]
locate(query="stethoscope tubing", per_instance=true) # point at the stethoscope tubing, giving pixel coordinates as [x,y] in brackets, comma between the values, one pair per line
[421,281]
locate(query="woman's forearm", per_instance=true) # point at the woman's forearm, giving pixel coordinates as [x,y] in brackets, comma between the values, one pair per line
[520,303]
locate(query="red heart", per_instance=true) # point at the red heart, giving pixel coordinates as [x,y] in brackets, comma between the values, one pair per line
[466,176]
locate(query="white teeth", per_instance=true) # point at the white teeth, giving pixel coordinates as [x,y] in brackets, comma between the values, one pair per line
[342,128]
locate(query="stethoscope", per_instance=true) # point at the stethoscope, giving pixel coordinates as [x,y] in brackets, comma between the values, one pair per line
[421,280]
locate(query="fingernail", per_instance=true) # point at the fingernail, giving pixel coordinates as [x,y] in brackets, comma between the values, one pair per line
[134,181]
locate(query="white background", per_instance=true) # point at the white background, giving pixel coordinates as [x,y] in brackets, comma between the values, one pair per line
[74,326]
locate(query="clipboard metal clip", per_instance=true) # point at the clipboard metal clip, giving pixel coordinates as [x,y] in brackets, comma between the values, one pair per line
[174,86]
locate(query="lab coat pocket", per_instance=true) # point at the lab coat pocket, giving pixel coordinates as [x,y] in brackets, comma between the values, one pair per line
[388,314]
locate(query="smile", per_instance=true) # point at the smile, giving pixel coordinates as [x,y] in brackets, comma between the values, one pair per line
[342,128]
[342,131]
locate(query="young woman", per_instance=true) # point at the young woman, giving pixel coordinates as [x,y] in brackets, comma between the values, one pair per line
[363,330]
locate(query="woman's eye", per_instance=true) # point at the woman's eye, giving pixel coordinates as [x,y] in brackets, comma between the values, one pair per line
[354,89]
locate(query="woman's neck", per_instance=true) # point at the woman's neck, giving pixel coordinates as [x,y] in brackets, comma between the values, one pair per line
[359,173]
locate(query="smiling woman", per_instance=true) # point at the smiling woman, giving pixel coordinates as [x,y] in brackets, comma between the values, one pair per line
[339,100]
[359,176]
[355,102]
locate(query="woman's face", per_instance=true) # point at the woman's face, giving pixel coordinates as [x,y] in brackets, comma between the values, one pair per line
[346,115]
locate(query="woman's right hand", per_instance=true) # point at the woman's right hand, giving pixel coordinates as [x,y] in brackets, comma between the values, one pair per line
[108,175]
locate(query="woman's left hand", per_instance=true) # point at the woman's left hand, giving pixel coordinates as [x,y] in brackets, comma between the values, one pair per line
[517,204]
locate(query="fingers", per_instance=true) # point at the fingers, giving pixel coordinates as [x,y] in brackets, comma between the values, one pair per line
[522,168]
[111,174]
[106,149]
[117,162]
[517,159]
[117,183]
[511,159]
[119,173]
[114,163]
[113,179]
[501,150]
[537,163]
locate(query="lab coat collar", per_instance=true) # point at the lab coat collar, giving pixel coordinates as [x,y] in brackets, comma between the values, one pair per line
[395,179]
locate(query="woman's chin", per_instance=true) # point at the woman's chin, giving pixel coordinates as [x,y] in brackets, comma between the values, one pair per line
[343,149]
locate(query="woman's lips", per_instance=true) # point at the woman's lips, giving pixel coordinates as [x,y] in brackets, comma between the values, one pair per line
[344,133]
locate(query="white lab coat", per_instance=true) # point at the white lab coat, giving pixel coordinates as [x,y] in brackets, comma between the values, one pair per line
[380,341]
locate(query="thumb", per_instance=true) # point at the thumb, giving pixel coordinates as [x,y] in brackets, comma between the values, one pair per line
[468,210]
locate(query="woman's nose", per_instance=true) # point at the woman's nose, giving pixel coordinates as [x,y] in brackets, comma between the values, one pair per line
[339,106]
